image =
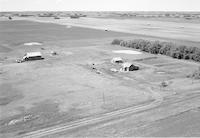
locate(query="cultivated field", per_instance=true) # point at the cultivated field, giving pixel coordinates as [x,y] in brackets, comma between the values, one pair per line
[187,33]
[74,93]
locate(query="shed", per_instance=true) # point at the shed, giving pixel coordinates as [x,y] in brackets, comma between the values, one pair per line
[129,67]
[32,56]
[117,60]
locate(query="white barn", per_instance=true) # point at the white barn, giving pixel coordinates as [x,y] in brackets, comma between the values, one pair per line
[32,56]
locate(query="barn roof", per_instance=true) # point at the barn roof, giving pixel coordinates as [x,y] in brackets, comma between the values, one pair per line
[33,54]
[117,59]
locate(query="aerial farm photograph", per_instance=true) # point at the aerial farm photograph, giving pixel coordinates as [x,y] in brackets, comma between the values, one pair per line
[99,68]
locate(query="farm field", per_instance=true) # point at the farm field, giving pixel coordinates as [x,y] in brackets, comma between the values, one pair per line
[77,83]
[180,32]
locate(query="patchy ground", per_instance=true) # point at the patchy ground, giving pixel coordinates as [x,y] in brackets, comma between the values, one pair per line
[77,82]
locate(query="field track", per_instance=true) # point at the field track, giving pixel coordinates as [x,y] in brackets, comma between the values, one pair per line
[111,115]
[89,121]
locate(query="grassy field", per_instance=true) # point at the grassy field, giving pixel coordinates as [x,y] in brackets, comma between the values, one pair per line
[66,87]
[14,33]
[167,30]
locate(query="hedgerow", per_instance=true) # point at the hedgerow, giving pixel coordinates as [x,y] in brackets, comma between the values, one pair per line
[164,48]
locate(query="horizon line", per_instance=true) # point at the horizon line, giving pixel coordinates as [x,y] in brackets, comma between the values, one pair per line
[98,11]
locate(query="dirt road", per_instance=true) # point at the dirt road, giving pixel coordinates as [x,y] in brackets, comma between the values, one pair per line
[88,121]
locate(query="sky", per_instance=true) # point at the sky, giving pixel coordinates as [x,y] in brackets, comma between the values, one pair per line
[99,5]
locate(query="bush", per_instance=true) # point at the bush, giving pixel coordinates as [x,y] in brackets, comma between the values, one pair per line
[145,47]
[166,47]
[155,47]
[143,43]
[187,56]
[196,58]
[137,43]
[182,49]
[132,44]
[196,74]
[123,43]
[116,42]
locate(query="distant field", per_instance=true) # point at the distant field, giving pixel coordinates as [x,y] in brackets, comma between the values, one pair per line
[13,33]
[180,31]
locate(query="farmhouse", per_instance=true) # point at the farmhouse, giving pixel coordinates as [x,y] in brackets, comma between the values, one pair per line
[32,56]
[128,67]
[117,60]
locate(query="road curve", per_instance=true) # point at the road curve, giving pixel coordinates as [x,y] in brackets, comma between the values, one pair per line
[92,120]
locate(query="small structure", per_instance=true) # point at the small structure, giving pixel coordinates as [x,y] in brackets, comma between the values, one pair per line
[10,18]
[32,56]
[128,67]
[164,84]
[113,70]
[54,53]
[56,17]
[117,60]
[75,16]
[19,60]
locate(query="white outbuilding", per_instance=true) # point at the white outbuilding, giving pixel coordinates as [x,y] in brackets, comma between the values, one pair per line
[32,56]
[128,67]
[117,60]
